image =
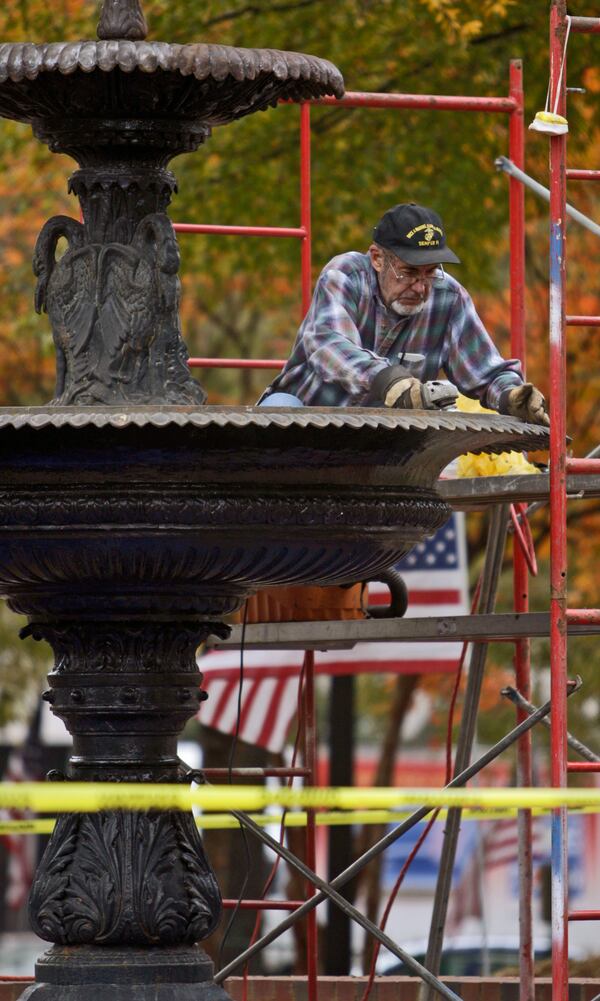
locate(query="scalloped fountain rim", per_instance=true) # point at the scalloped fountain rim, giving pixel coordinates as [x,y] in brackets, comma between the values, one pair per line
[533,435]
[27,60]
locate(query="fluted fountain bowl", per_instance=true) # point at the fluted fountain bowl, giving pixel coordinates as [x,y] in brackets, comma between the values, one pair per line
[150,94]
[185,511]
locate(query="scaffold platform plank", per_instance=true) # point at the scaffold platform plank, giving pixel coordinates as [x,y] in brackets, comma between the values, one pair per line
[343,635]
[480,491]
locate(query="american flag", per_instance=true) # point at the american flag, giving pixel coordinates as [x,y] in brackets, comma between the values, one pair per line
[501,841]
[435,573]
[486,846]
[268,699]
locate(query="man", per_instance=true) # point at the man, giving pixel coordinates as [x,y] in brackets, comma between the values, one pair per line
[370,310]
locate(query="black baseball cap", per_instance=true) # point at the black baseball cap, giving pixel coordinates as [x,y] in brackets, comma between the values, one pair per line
[415,234]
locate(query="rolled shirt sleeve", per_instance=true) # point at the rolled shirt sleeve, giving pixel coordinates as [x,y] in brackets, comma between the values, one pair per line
[332,339]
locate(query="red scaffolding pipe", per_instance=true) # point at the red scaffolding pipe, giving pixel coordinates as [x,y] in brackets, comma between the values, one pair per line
[262,905]
[304,231]
[516,142]
[235,363]
[192,227]
[583,616]
[305,207]
[257,773]
[586,25]
[310,762]
[431,102]
[516,138]
[558,505]
[581,465]
[583,321]
[582,175]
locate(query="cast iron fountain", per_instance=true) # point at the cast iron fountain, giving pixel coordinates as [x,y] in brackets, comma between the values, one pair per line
[133,517]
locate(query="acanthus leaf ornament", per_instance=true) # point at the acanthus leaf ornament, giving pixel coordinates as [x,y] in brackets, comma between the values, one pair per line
[115,878]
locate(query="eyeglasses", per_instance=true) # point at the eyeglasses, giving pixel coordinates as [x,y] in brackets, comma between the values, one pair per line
[411,278]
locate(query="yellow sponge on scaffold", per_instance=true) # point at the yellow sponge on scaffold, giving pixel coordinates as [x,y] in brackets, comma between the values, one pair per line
[551,124]
[503,464]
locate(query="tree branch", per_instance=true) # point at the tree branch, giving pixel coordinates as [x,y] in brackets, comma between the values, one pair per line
[229,333]
[277,8]
[512,29]
[574,515]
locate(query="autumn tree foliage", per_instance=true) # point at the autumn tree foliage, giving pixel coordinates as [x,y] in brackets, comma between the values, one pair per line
[242,296]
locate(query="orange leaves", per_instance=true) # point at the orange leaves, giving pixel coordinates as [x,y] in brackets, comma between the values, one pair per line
[13,257]
[591,79]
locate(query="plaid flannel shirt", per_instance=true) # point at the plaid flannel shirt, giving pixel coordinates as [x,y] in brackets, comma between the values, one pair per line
[349,335]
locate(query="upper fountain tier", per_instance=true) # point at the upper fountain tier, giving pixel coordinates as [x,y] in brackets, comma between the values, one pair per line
[125,91]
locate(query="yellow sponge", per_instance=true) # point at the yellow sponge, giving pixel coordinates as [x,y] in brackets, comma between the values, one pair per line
[503,464]
[546,121]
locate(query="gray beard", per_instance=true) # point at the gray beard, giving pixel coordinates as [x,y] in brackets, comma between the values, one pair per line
[401,309]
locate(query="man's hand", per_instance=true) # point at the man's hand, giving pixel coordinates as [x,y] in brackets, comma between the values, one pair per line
[394,386]
[407,394]
[404,394]
[527,403]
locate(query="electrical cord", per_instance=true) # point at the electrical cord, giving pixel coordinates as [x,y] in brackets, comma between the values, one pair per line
[230,762]
[282,828]
[412,855]
[425,833]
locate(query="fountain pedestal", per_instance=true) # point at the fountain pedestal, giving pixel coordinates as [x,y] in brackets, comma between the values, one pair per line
[94,973]
[125,895]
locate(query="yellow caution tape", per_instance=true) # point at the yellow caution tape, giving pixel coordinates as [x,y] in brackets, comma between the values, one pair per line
[299,818]
[26,826]
[84,797]
[339,818]
[226,821]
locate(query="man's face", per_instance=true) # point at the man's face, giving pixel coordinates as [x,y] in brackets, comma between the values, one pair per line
[404,287]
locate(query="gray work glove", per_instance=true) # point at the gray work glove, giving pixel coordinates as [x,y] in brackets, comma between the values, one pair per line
[527,403]
[406,394]
[394,386]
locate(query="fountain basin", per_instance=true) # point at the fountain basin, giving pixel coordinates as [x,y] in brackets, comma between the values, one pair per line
[124,534]
[185,511]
